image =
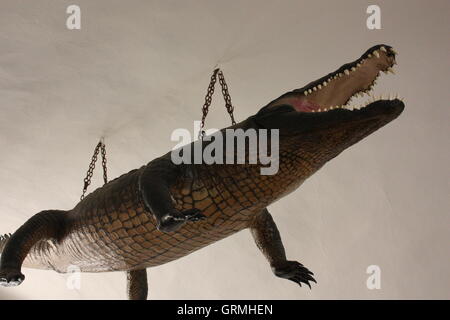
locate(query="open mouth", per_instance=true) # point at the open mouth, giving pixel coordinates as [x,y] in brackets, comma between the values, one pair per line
[337,89]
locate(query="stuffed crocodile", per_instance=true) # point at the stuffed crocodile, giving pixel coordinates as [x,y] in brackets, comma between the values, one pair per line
[164,211]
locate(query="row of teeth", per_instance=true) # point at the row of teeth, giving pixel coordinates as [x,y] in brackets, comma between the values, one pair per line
[347,72]
[351,108]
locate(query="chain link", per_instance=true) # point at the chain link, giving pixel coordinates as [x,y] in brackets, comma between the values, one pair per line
[101,147]
[208,99]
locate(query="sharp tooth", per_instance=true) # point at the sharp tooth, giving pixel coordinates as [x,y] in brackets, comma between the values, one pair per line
[393,51]
[340,75]
[325,109]
[358,64]
[314,89]
[353,68]
[324,83]
[305,93]
[319,86]
[309,91]
[370,55]
[383,49]
[319,110]
[390,70]
[376,54]
[346,72]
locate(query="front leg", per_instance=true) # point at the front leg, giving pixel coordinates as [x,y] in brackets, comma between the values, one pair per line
[268,240]
[154,185]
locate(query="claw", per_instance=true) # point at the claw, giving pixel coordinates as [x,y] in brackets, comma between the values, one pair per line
[294,271]
[174,220]
[193,215]
[11,278]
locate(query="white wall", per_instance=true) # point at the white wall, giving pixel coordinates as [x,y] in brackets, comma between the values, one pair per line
[138,69]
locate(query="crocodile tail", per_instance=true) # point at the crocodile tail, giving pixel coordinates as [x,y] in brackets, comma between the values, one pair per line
[3,240]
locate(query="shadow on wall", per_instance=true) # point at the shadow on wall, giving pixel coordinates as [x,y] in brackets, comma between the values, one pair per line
[7,296]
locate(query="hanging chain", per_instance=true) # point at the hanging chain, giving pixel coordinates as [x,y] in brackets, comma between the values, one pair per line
[104,161]
[226,96]
[101,147]
[208,99]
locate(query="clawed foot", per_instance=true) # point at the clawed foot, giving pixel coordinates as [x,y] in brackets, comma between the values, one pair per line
[11,278]
[175,219]
[293,271]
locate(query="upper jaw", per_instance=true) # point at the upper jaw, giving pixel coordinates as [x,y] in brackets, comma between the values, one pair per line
[336,90]
[379,52]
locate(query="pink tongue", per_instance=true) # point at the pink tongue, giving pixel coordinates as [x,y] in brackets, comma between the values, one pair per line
[305,105]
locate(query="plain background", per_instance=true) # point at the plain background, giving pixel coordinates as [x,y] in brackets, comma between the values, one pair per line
[139,69]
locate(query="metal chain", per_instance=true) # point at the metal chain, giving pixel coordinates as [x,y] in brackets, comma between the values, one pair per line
[226,96]
[87,181]
[208,99]
[105,169]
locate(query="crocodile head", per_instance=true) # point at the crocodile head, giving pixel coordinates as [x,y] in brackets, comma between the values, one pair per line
[321,115]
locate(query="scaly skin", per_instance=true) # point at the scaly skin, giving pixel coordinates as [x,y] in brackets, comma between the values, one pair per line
[163,211]
[111,229]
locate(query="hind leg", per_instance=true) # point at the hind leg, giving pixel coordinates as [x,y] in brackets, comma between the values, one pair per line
[137,286]
[44,225]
